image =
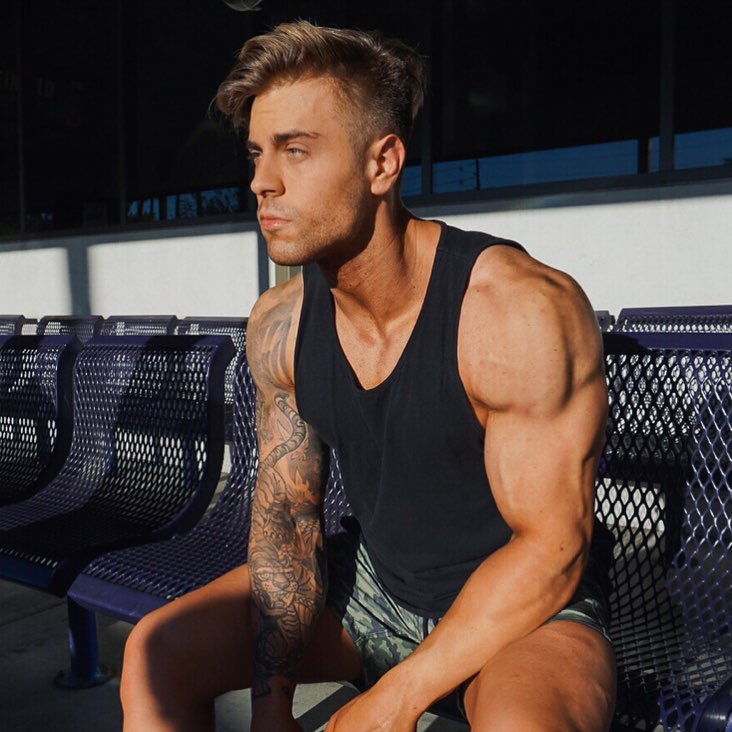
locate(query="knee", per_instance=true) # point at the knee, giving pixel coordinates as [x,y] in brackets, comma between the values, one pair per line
[151,654]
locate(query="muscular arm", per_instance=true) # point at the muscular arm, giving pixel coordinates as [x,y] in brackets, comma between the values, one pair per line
[535,378]
[286,551]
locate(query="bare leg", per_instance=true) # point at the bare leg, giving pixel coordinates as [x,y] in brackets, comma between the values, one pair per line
[560,678]
[180,658]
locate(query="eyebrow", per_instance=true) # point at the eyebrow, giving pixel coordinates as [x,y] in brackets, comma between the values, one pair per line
[282,138]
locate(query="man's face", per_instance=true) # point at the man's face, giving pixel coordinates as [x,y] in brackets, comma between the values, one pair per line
[313,195]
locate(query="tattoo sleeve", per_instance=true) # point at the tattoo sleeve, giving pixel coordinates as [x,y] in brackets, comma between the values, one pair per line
[286,549]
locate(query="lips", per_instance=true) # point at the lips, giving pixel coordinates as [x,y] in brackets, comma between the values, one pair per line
[270,220]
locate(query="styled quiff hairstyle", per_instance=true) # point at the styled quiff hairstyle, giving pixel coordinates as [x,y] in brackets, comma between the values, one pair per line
[380,80]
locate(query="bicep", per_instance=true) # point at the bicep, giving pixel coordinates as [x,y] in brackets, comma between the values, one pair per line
[541,468]
[543,442]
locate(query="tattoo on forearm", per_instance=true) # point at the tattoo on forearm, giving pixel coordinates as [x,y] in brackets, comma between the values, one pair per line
[286,555]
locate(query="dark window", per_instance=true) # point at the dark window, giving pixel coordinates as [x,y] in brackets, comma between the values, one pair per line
[703,67]
[546,91]
[178,150]
[116,126]
[70,113]
[9,179]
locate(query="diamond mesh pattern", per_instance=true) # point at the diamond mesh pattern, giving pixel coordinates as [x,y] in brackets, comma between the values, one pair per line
[664,491]
[712,319]
[11,324]
[33,373]
[146,452]
[83,326]
[138,325]
[235,328]
[218,542]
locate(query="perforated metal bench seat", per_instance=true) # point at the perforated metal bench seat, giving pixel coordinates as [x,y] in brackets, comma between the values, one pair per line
[138,325]
[11,324]
[83,326]
[145,457]
[664,492]
[688,319]
[35,411]
[129,583]
[236,329]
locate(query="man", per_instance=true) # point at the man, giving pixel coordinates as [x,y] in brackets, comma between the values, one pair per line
[461,383]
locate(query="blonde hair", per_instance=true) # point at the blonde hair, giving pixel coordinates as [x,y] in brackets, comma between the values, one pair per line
[380,80]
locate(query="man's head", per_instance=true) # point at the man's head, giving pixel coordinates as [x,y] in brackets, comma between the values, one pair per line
[379,81]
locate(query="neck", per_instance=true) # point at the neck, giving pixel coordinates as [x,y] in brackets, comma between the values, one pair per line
[387,279]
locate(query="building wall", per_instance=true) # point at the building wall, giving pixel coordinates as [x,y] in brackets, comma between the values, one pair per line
[188,271]
[670,246]
[673,247]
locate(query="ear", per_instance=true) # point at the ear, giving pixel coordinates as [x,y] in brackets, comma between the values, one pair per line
[386,160]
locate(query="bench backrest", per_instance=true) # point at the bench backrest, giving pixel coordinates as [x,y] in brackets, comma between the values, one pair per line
[142,578]
[663,490]
[11,324]
[145,457]
[35,411]
[235,328]
[138,325]
[691,319]
[82,326]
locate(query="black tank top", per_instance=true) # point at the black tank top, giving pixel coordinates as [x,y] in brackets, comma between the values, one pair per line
[411,448]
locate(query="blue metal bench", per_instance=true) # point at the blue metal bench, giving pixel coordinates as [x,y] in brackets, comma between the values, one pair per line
[145,458]
[692,319]
[236,329]
[11,324]
[83,326]
[138,325]
[664,491]
[128,584]
[35,411]
[605,319]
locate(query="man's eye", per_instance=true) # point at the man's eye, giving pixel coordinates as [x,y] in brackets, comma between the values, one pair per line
[295,151]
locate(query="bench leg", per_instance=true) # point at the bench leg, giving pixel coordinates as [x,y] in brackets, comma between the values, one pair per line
[85,670]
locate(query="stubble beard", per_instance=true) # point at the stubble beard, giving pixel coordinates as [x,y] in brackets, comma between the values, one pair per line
[324,237]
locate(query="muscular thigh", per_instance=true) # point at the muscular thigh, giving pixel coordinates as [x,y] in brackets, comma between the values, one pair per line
[560,677]
[209,632]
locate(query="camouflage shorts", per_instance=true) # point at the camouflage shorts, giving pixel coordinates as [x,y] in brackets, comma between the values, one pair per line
[385,633]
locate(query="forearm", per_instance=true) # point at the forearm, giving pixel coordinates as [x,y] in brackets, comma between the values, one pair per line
[288,589]
[510,594]
[286,557]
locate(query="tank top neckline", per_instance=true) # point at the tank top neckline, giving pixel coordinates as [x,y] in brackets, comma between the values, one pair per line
[421,316]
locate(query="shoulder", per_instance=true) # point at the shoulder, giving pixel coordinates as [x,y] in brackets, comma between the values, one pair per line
[271,333]
[527,331]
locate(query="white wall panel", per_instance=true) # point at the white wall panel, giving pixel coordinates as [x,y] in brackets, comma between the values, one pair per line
[215,274]
[636,254]
[35,282]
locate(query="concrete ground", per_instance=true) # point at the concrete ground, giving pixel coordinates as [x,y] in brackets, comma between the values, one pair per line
[34,647]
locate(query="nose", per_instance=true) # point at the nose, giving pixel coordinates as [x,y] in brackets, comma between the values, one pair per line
[266,179]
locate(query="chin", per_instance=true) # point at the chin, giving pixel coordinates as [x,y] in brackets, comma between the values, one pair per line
[288,254]
[288,257]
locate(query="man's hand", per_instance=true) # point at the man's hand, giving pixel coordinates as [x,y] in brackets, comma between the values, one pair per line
[376,710]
